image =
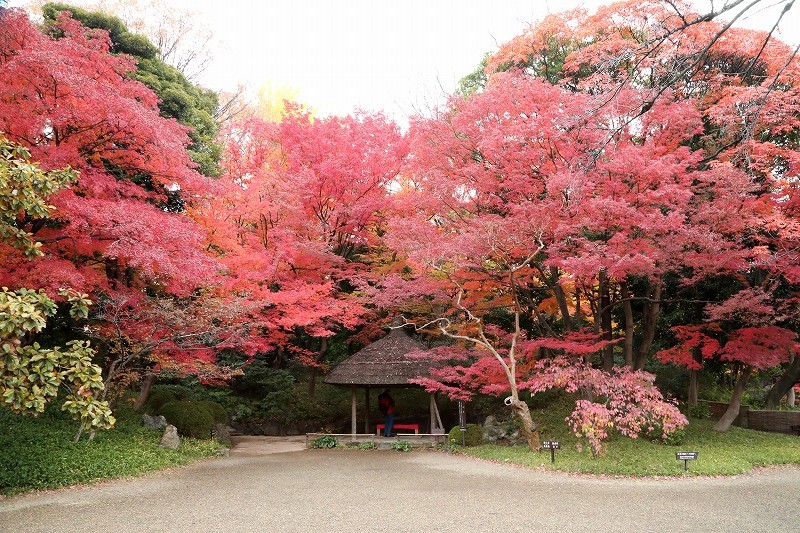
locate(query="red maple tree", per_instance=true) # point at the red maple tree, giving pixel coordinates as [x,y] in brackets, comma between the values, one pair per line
[547,196]
[298,207]
[120,228]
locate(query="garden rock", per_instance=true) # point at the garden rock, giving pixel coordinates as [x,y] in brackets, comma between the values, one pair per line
[493,430]
[170,438]
[154,422]
[222,434]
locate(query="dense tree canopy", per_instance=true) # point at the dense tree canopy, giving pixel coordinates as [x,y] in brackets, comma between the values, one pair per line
[607,187]
[610,162]
[298,206]
[189,104]
[114,233]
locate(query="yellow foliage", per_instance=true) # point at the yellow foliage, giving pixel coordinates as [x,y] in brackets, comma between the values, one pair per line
[272,99]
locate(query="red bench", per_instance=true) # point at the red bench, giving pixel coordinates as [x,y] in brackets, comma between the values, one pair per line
[415,427]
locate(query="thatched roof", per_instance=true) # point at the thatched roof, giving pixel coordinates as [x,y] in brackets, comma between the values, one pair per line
[382,363]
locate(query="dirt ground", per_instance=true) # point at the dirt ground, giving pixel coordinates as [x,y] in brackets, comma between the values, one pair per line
[247,446]
[275,484]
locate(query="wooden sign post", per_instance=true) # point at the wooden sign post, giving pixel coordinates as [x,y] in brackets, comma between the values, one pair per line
[686,457]
[462,421]
[551,445]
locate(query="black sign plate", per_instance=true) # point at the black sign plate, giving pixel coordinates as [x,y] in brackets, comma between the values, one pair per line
[686,456]
[551,445]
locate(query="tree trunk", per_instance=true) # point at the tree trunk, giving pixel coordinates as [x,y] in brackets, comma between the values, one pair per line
[312,383]
[724,423]
[278,361]
[785,384]
[628,308]
[693,376]
[650,316]
[561,298]
[529,427]
[144,392]
[605,320]
[79,432]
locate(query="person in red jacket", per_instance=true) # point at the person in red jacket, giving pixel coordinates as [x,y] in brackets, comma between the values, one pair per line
[386,407]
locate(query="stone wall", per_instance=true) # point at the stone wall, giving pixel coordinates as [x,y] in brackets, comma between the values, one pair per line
[773,421]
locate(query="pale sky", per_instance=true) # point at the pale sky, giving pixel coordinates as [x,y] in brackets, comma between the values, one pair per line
[400,57]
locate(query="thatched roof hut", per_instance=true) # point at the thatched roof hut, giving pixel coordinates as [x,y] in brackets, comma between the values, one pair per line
[384,363]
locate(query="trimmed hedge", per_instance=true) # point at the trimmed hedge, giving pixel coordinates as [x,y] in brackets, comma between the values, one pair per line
[190,418]
[219,414]
[158,398]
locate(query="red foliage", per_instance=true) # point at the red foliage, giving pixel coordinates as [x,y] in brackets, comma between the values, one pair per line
[72,103]
[760,347]
[297,204]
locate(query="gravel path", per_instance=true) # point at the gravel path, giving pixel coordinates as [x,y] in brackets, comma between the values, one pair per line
[266,486]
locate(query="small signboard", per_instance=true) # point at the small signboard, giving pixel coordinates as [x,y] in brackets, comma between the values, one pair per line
[551,445]
[686,457]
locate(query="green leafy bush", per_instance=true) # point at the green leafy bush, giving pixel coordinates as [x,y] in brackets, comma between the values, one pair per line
[700,410]
[472,437]
[190,418]
[288,405]
[180,390]
[219,414]
[157,399]
[366,445]
[401,446]
[325,441]
[675,438]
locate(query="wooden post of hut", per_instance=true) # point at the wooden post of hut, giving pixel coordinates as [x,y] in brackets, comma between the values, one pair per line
[353,412]
[436,420]
[366,411]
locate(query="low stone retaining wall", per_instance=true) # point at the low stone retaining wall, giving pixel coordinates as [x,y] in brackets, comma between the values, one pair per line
[773,421]
[421,440]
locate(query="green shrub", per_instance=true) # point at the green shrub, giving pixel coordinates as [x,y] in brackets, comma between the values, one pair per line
[325,441]
[157,399]
[181,391]
[366,445]
[219,414]
[700,410]
[402,446]
[472,437]
[288,405]
[190,418]
[675,438]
